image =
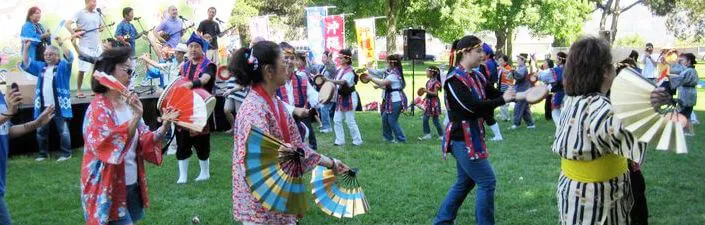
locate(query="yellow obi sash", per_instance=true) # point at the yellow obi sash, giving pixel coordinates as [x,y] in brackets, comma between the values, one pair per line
[598,170]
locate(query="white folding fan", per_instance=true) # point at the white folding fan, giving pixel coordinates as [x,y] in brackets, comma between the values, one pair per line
[630,97]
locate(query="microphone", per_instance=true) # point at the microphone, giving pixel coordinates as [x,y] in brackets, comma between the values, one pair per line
[182,18]
[99,11]
[219,21]
[137,18]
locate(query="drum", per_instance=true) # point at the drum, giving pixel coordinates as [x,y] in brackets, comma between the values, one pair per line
[325,95]
[535,94]
[533,78]
[223,73]
[421,91]
[319,80]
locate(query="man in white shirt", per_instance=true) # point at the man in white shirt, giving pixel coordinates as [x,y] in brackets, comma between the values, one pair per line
[650,63]
[88,20]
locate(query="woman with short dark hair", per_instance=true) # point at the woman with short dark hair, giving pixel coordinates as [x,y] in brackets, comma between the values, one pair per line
[594,183]
[117,142]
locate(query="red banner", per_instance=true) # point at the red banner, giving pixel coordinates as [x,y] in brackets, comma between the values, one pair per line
[334,34]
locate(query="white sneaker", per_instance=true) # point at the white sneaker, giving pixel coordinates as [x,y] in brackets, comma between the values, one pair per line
[325,131]
[40,158]
[63,158]
[496,138]
[425,137]
[513,127]
[531,127]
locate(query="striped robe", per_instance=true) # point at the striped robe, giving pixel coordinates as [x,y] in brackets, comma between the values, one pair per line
[588,131]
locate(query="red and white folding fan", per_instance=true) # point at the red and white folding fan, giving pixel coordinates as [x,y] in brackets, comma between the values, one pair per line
[194,105]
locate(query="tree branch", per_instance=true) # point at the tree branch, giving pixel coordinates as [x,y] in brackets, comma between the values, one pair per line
[630,6]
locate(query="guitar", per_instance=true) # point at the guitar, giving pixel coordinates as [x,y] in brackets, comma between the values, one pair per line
[139,35]
[166,36]
[91,30]
[226,31]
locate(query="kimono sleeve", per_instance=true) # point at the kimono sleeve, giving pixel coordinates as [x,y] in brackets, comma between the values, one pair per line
[608,133]
[311,157]
[103,138]
[34,67]
[150,146]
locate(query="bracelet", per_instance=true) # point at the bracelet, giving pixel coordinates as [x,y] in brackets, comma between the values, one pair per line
[9,115]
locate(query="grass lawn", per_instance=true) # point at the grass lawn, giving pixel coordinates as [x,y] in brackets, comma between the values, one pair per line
[405,183]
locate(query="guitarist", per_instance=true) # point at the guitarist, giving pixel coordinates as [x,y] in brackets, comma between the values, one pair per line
[86,19]
[171,28]
[209,30]
[125,33]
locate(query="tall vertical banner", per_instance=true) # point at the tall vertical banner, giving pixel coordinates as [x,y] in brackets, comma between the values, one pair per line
[259,27]
[334,34]
[365,30]
[314,30]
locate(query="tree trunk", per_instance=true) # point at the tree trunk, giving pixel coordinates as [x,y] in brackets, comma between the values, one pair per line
[615,21]
[391,26]
[510,41]
[606,11]
[501,36]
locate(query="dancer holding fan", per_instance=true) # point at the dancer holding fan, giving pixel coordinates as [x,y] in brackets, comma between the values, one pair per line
[117,142]
[199,72]
[263,68]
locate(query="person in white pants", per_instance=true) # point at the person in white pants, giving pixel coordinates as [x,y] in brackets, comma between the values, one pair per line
[345,104]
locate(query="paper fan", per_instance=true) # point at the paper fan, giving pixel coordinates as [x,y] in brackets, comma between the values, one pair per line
[338,196]
[193,114]
[110,82]
[275,178]
[630,98]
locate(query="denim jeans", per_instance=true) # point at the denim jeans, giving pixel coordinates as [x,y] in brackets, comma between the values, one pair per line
[522,111]
[469,172]
[390,124]
[427,128]
[325,112]
[43,137]
[4,213]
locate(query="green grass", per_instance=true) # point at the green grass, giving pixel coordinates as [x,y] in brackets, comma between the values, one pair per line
[405,183]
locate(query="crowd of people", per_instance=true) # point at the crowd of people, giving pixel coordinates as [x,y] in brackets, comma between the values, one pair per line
[273,88]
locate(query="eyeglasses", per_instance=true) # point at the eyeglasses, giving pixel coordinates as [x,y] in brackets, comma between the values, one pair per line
[127,70]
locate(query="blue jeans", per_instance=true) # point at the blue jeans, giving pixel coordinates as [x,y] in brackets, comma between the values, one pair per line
[43,137]
[134,211]
[4,213]
[427,128]
[325,115]
[469,172]
[390,124]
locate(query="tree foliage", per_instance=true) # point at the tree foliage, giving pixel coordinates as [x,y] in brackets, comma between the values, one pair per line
[687,20]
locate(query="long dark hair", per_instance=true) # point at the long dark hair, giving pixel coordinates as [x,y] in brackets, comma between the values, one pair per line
[32,10]
[436,73]
[589,59]
[395,63]
[242,65]
[107,63]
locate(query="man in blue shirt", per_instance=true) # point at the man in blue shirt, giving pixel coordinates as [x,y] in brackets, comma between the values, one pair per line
[126,34]
[52,89]
[8,109]
[171,28]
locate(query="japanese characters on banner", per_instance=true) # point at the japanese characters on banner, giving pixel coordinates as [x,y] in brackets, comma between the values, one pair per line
[259,27]
[334,34]
[314,29]
[365,29]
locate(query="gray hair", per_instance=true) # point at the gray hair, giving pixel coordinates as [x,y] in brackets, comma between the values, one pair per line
[53,49]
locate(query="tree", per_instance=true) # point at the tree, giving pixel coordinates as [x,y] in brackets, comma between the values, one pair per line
[561,18]
[288,16]
[687,21]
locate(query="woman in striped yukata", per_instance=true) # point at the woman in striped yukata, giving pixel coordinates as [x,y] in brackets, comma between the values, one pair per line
[594,185]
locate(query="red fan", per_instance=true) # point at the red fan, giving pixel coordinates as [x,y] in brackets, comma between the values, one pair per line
[110,82]
[194,105]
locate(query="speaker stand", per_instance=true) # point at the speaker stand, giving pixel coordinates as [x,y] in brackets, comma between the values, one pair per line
[413,84]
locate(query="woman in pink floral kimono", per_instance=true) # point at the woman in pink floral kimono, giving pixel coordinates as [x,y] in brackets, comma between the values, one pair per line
[117,142]
[262,67]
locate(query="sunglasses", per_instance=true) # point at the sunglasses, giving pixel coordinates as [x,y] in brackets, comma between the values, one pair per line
[127,70]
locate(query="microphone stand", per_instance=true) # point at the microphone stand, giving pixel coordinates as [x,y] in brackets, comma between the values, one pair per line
[102,19]
[149,42]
